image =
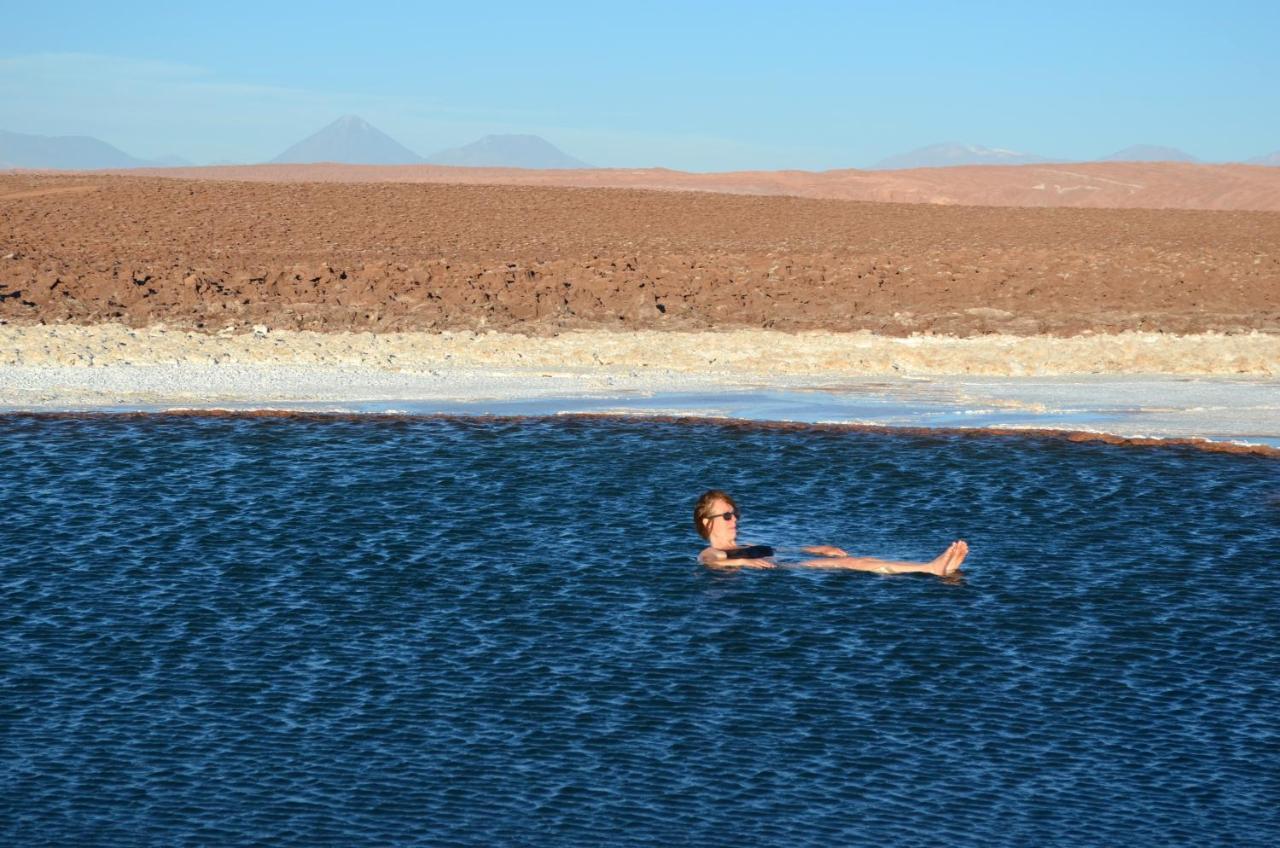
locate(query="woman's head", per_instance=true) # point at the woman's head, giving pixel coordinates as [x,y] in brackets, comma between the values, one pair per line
[712,507]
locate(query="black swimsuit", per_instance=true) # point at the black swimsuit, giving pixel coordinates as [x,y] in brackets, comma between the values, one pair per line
[750,552]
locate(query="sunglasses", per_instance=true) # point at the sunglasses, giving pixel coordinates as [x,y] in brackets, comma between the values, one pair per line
[725,515]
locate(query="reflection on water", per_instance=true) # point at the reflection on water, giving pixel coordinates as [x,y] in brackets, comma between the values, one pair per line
[340,632]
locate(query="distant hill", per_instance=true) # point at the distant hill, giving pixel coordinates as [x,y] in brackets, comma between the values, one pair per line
[69,152]
[352,141]
[507,151]
[1149,153]
[955,153]
[1269,159]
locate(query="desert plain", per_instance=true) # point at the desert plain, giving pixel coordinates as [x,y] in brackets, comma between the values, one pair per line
[685,279]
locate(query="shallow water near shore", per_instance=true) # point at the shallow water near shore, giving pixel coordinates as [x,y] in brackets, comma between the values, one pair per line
[1224,409]
[365,630]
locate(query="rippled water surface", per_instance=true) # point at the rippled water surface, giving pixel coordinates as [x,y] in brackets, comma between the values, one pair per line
[372,632]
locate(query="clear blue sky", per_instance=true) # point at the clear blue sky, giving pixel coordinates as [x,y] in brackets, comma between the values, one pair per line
[711,86]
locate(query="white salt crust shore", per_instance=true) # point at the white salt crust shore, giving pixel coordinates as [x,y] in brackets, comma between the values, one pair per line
[755,351]
[1215,387]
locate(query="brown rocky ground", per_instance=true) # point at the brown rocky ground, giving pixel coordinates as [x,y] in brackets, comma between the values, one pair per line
[1094,185]
[423,256]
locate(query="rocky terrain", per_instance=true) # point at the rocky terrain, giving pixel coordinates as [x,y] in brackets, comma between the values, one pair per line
[391,256]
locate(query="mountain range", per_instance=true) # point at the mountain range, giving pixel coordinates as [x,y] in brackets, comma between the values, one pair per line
[352,140]
[349,140]
[70,152]
[507,151]
[955,153]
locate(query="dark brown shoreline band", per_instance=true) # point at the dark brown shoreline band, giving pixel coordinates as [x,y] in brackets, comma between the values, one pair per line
[1078,436]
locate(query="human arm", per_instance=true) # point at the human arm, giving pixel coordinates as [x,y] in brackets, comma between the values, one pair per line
[825,550]
[714,558]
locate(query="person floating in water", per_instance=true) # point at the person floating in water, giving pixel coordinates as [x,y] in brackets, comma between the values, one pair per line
[715,517]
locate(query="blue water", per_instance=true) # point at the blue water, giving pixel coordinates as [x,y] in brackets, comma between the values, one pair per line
[221,631]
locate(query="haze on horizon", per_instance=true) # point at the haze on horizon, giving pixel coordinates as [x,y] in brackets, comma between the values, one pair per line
[718,87]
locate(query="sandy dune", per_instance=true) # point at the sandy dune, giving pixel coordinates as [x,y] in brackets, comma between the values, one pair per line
[530,259]
[1098,185]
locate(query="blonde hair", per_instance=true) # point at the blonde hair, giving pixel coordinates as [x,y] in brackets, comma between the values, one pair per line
[702,510]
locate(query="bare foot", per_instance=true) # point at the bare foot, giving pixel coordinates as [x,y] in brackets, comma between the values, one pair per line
[959,550]
[942,566]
